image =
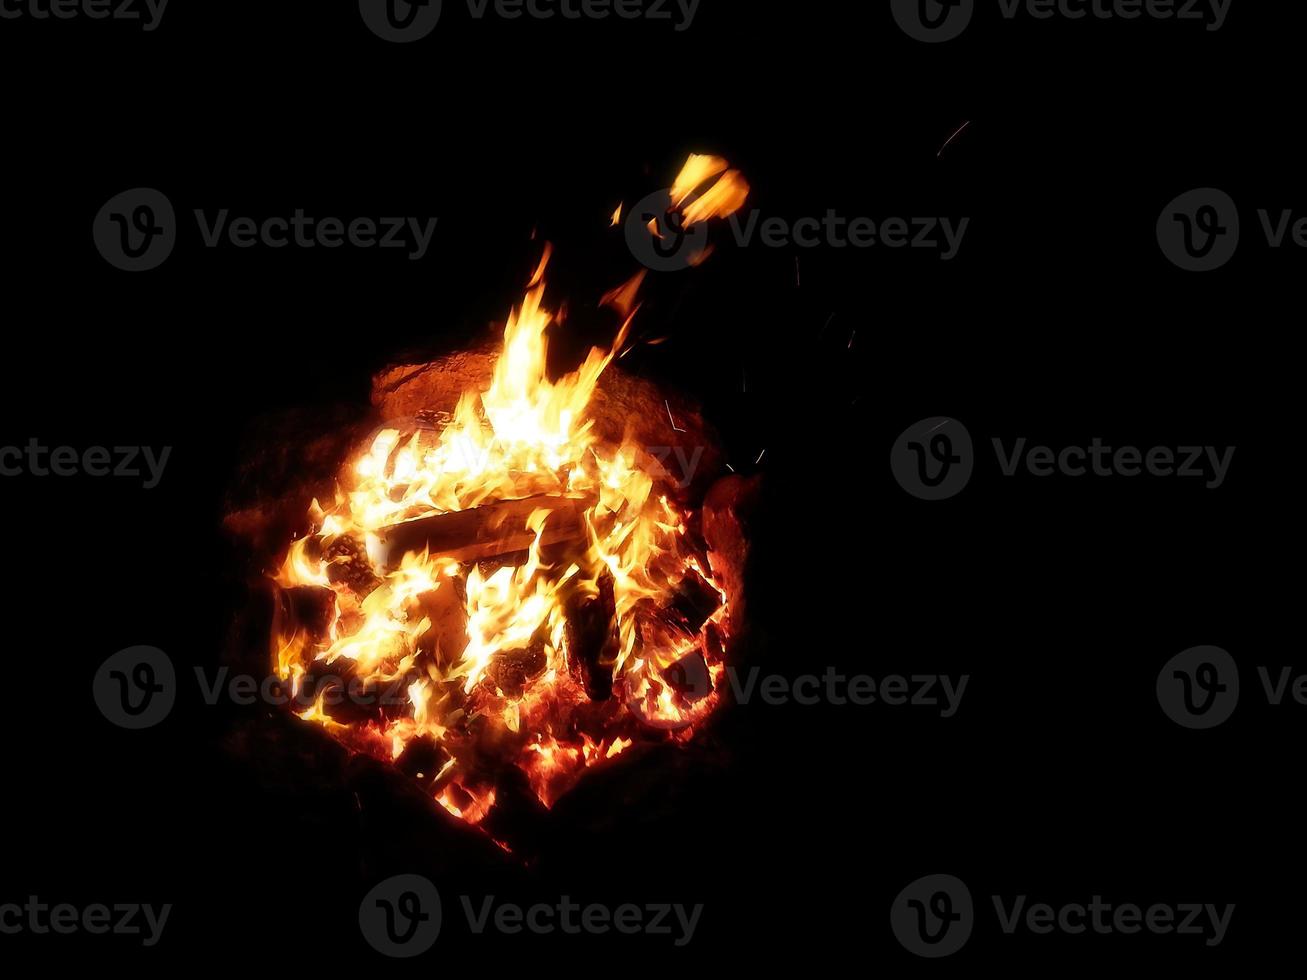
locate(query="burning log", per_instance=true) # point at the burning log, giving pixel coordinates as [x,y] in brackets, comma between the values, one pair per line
[344,696]
[422,758]
[494,529]
[593,641]
[513,670]
[714,643]
[660,633]
[696,600]
[689,677]
[401,828]
[446,608]
[348,564]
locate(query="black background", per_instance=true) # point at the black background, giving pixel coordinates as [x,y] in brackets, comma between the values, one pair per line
[1059,321]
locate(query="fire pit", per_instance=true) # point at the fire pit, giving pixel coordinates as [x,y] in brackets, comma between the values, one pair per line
[506,586]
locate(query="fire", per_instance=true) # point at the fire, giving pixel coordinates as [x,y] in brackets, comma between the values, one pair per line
[724,197]
[554,657]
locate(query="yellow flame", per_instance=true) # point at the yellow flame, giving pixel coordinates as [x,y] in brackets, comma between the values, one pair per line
[524,435]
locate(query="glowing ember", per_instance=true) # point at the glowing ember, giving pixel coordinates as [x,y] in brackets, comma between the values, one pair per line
[538,628]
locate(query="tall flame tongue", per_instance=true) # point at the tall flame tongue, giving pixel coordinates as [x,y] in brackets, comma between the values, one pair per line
[550,660]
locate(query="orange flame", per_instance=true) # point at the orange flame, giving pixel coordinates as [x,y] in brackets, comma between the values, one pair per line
[482,653]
